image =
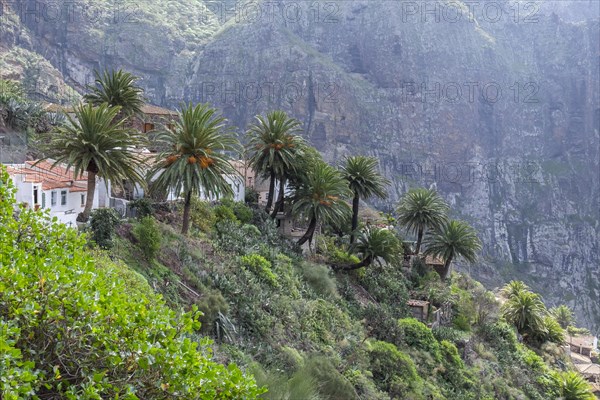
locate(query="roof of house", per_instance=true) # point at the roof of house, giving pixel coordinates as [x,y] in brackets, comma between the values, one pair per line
[429,260]
[148,109]
[57,177]
[582,341]
[417,303]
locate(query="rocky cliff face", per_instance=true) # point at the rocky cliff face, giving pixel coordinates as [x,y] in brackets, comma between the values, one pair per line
[494,103]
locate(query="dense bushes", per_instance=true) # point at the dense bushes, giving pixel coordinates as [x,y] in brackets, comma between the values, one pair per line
[149,237]
[103,222]
[77,326]
[393,370]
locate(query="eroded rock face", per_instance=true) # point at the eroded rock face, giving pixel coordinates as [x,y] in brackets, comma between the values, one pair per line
[496,104]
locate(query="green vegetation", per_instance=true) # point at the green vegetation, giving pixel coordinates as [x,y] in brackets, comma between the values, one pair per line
[330,324]
[365,181]
[77,325]
[117,89]
[196,159]
[94,143]
[275,149]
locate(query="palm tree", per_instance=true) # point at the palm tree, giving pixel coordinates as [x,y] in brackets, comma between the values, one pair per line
[274,147]
[197,159]
[117,88]
[365,181]
[526,311]
[513,288]
[563,315]
[572,386]
[420,209]
[373,244]
[319,198]
[93,142]
[453,239]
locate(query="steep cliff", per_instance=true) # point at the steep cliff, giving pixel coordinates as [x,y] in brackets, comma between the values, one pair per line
[495,103]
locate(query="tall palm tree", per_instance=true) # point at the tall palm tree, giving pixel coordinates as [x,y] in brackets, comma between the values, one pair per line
[421,209]
[365,181]
[273,147]
[513,288]
[453,239]
[563,315]
[320,198]
[526,311]
[117,88]
[95,143]
[373,244]
[197,159]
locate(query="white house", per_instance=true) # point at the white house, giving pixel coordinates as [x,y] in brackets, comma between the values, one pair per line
[55,189]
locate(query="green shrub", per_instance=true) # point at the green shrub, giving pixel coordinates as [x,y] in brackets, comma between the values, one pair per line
[149,237]
[75,325]
[251,196]
[261,267]
[393,371]
[202,215]
[224,213]
[319,278]
[331,384]
[103,222]
[142,207]
[418,335]
[242,212]
[211,304]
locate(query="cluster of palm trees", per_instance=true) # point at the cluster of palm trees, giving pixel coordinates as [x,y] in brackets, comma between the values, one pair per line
[199,147]
[526,311]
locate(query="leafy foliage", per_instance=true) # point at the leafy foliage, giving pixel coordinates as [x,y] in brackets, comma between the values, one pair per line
[103,222]
[149,237]
[116,88]
[80,326]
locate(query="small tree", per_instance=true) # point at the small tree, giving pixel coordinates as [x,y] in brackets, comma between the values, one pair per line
[103,222]
[148,235]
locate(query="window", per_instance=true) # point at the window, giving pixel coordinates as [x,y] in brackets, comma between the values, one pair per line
[52,198]
[43,200]
[35,195]
[148,127]
[82,200]
[63,198]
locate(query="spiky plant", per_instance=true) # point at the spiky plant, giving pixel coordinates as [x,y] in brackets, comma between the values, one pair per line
[365,181]
[320,198]
[421,209]
[451,240]
[116,88]
[198,157]
[95,142]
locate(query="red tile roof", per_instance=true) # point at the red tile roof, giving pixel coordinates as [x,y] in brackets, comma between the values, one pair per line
[417,303]
[56,177]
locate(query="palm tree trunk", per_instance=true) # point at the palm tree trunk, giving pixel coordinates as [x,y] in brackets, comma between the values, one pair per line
[309,232]
[355,203]
[271,190]
[419,240]
[364,263]
[89,200]
[446,269]
[186,213]
[279,205]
